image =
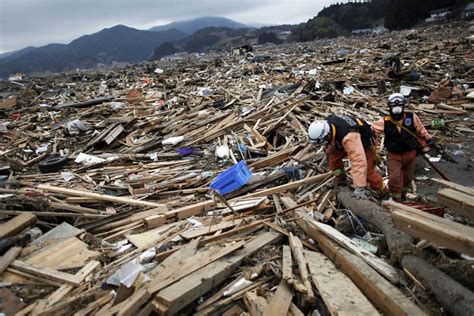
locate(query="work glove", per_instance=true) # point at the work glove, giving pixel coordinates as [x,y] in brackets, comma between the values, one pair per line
[431,148]
[359,193]
[341,182]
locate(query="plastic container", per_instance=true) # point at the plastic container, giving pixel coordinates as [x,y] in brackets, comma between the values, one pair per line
[438,124]
[232,179]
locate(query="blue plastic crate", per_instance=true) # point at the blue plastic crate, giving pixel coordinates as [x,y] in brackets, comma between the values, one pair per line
[232,179]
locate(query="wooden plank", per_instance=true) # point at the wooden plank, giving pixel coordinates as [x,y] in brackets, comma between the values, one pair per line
[438,230]
[113,134]
[49,274]
[62,291]
[324,202]
[191,264]
[297,251]
[191,210]
[287,265]
[16,224]
[73,208]
[458,202]
[188,289]
[89,309]
[206,230]
[255,304]
[155,221]
[455,186]
[67,254]
[186,251]
[15,276]
[167,277]
[387,298]
[273,159]
[151,237]
[57,295]
[287,233]
[102,197]
[290,186]
[287,271]
[375,262]
[340,295]
[8,257]
[280,302]
[51,214]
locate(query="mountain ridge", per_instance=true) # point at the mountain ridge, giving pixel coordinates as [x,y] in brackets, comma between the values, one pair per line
[119,43]
[193,25]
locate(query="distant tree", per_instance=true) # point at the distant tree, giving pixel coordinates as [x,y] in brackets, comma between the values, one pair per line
[164,49]
[269,37]
[400,14]
[317,27]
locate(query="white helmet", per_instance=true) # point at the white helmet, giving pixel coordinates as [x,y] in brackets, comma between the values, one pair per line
[317,131]
[396,99]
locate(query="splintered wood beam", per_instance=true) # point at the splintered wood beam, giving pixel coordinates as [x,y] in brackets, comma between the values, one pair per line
[458,202]
[287,266]
[206,230]
[102,197]
[62,291]
[273,159]
[455,186]
[287,272]
[17,224]
[46,273]
[256,304]
[175,297]
[280,302]
[297,250]
[386,297]
[291,185]
[191,210]
[375,262]
[339,293]
[8,257]
[435,229]
[168,276]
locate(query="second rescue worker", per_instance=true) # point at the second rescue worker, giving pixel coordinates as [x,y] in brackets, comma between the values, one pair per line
[404,136]
[352,137]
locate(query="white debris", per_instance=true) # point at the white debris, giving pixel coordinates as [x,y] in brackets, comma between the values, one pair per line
[173,140]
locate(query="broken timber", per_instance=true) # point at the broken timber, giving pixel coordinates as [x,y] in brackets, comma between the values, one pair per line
[438,230]
[376,288]
[102,197]
[338,292]
[458,202]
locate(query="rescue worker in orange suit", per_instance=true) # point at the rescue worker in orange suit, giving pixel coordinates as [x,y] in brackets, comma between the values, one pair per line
[404,135]
[352,137]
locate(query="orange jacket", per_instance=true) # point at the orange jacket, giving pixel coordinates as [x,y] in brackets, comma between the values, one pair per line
[421,132]
[352,144]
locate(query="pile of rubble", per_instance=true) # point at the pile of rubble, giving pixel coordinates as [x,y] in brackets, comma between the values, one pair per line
[106,206]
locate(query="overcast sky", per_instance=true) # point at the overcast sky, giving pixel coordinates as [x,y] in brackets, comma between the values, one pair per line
[38,22]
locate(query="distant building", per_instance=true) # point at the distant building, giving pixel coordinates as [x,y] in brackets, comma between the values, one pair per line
[438,15]
[368,31]
[468,11]
[242,50]
[175,56]
[362,31]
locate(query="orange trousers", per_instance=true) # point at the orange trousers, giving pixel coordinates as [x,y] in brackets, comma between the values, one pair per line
[336,164]
[401,170]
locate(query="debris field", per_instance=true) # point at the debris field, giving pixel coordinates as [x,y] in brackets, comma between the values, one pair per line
[107,206]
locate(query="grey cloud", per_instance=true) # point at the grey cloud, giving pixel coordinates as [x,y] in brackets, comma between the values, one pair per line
[39,22]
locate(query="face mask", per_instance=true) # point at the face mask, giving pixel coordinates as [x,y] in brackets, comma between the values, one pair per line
[397,110]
